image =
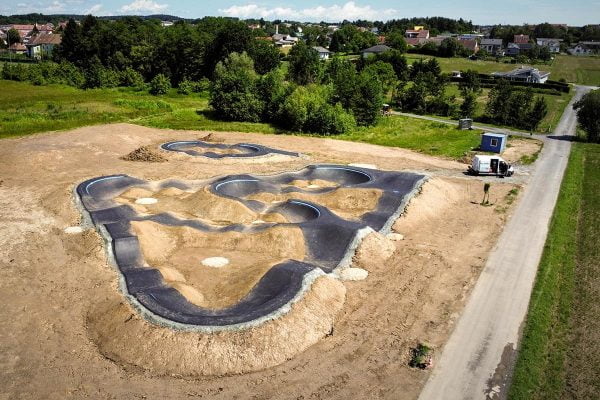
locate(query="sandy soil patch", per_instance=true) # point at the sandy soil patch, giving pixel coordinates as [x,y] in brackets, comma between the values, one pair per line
[60,287]
[518,148]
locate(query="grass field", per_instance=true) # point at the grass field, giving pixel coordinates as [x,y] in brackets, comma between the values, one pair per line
[26,109]
[556,106]
[560,351]
[581,70]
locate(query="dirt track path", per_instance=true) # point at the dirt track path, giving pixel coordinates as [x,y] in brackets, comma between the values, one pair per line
[477,360]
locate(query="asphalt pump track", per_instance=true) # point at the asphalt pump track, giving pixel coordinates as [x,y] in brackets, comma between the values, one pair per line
[219,150]
[330,240]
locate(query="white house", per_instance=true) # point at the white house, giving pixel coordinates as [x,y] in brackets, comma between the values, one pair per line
[524,74]
[42,45]
[552,44]
[585,49]
[323,52]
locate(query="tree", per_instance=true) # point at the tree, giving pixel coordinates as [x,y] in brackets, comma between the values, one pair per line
[450,47]
[537,113]
[497,108]
[341,73]
[395,40]
[305,65]
[232,37]
[385,73]
[272,90]
[233,94]
[588,116]
[367,98]
[396,60]
[266,57]
[13,36]
[468,106]
[470,82]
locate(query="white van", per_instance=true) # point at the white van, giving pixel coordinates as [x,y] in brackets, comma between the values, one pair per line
[490,165]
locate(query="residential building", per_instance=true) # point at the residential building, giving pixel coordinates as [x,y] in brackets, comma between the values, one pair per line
[17,48]
[520,39]
[42,45]
[323,52]
[524,74]
[492,46]
[470,44]
[378,49]
[585,49]
[515,49]
[552,44]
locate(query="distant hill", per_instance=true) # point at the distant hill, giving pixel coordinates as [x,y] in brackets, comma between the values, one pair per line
[55,18]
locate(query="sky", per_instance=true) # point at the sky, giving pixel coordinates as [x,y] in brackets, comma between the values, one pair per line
[574,12]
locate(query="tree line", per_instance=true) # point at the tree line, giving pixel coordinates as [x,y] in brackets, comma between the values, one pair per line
[314,96]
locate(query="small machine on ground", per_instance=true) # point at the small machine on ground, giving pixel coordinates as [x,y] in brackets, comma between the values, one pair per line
[490,165]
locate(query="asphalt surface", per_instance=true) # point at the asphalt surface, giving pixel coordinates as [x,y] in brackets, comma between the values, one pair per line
[145,287]
[477,360]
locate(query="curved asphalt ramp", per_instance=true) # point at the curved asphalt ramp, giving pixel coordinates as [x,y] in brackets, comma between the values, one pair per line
[330,240]
[246,150]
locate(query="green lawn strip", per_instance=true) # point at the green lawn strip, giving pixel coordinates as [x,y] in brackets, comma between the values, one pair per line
[539,372]
[428,137]
[27,109]
[581,70]
[583,359]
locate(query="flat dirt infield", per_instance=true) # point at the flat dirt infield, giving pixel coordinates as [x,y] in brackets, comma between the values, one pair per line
[52,281]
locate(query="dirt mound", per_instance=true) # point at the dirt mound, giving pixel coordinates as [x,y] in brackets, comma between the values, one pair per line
[144,153]
[177,252]
[165,351]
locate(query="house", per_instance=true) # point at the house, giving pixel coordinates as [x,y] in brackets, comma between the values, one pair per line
[418,32]
[24,30]
[524,74]
[285,40]
[417,36]
[493,142]
[520,39]
[42,45]
[514,49]
[552,44]
[323,52]
[470,44]
[17,48]
[378,49]
[585,48]
[492,46]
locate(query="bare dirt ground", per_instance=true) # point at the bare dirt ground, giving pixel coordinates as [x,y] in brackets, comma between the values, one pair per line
[51,281]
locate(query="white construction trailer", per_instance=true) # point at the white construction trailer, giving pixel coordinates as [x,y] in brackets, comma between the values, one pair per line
[490,165]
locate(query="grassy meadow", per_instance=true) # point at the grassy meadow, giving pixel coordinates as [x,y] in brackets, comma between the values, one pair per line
[27,109]
[559,355]
[580,70]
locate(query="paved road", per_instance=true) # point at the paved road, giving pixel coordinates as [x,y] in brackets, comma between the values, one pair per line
[477,360]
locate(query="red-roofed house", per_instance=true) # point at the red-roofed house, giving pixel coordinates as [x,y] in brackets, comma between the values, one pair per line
[521,39]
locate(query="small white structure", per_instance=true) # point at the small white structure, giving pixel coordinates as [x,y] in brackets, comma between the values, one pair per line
[323,52]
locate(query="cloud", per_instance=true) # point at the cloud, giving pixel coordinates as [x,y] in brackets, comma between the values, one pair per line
[349,11]
[144,5]
[55,6]
[94,10]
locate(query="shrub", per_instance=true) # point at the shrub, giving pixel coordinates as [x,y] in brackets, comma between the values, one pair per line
[330,120]
[160,85]
[185,87]
[300,105]
[131,78]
